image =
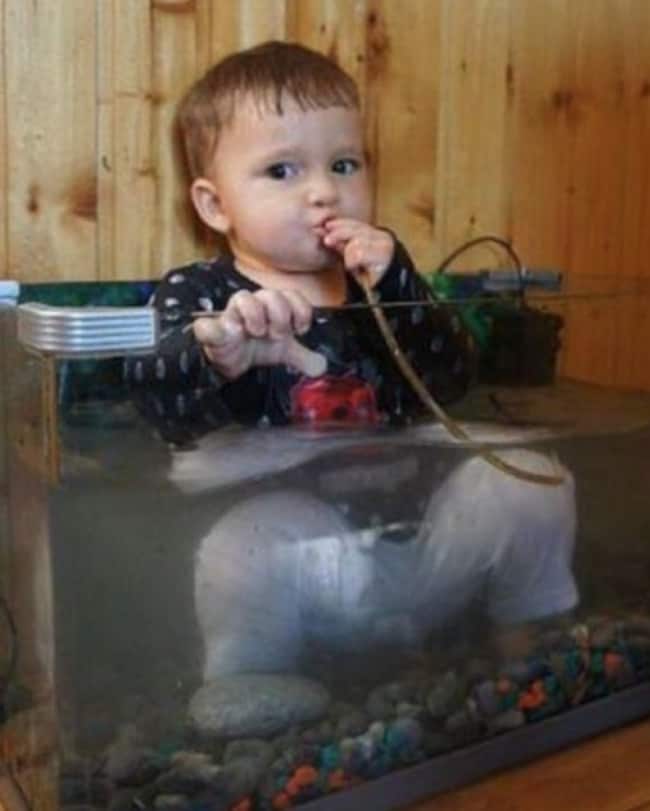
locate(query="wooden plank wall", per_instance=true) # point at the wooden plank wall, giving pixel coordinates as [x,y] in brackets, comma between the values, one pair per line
[525,118]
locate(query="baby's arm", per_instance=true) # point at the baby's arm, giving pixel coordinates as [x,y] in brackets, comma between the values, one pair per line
[433,338]
[175,388]
[258,329]
[192,385]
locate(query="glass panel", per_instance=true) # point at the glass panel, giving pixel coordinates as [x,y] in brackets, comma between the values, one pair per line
[269,616]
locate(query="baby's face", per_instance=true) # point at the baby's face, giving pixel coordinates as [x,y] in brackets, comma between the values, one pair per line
[278,178]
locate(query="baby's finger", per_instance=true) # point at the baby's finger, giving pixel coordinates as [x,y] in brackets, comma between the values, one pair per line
[340,231]
[345,224]
[301,311]
[221,340]
[304,360]
[227,358]
[217,332]
[277,312]
[251,310]
[357,254]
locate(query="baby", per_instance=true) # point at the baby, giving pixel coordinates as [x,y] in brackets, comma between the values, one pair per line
[274,144]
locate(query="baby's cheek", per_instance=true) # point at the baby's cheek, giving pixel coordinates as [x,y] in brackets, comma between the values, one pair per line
[362,202]
[272,234]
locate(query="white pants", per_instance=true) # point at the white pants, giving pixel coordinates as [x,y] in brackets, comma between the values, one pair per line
[280,567]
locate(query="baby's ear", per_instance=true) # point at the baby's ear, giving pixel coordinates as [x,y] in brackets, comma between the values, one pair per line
[207,203]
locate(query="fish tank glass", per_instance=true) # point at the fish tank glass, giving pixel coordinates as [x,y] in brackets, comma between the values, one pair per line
[328,616]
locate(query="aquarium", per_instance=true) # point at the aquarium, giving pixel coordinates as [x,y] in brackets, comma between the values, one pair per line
[324,614]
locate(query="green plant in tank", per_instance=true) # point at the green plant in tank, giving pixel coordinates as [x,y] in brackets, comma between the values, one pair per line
[474,315]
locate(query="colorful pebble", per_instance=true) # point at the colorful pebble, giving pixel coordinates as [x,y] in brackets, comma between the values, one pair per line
[337,780]
[281,801]
[534,697]
[613,664]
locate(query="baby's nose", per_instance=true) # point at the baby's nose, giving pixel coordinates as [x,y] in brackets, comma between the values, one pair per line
[322,190]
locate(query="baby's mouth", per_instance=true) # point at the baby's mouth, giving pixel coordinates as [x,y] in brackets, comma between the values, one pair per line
[321,228]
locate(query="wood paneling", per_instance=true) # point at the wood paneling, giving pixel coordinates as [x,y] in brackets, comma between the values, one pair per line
[473,193]
[340,30]
[125,160]
[403,87]
[4,219]
[522,118]
[173,61]
[50,201]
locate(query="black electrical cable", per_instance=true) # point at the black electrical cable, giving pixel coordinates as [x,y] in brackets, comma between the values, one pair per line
[488,238]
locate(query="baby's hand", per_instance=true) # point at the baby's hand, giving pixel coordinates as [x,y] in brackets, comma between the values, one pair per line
[258,329]
[364,249]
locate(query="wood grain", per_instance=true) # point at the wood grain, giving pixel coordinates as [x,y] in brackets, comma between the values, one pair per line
[51,196]
[403,87]
[174,65]
[4,169]
[475,121]
[339,30]
[125,151]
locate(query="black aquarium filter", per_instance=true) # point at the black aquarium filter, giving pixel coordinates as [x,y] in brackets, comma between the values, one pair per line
[523,347]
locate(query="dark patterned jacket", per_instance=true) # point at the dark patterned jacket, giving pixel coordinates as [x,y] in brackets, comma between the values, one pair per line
[183,396]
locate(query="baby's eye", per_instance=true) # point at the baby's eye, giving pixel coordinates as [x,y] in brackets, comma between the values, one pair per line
[282,171]
[346,166]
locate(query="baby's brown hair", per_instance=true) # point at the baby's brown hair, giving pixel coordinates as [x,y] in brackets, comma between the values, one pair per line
[268,73]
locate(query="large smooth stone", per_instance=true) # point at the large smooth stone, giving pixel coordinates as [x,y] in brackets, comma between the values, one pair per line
[256,704]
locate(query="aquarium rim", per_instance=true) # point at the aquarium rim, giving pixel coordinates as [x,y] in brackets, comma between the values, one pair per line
[72,332]
[458,768]
[9,292]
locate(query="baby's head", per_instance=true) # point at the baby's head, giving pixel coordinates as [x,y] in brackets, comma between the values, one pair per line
[274,145]
[269,75]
